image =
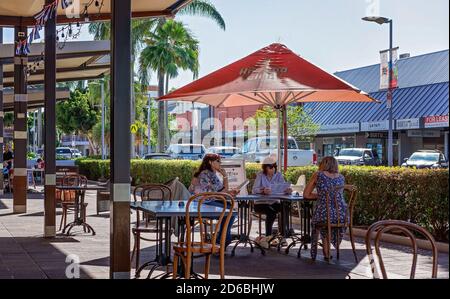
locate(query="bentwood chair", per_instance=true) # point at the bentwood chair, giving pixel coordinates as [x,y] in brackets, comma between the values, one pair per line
[147,192]
[204,241]
[406,228]
[350,192]
[66,198]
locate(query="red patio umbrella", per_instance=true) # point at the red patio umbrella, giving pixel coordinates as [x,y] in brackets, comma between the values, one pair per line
[273,76]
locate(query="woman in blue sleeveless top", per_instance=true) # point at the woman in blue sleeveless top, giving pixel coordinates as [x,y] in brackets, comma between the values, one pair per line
[326,181]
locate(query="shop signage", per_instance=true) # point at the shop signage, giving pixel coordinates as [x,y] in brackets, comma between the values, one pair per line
[375,126]
[436,121]
[406,124]
[424,133]
[380,135]
[339,129]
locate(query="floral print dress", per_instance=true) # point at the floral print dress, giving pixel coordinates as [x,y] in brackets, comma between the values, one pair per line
[326,185]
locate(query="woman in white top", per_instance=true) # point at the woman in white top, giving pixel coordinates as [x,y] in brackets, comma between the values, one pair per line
[264,179]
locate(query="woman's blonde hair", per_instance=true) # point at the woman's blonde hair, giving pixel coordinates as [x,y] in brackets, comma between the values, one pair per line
[329,164]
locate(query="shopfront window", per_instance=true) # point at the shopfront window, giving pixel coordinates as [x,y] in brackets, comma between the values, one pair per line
[332,146]
[377,146]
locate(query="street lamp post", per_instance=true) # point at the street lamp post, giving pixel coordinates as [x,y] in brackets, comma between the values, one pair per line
[381,21]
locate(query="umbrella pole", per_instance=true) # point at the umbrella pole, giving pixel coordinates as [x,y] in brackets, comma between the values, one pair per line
[278,137]
[285,140]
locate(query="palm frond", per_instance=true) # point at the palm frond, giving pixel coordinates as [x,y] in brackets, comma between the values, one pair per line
[204,8]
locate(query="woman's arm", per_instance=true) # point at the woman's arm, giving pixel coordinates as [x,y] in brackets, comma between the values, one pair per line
[257,185]
[308,192]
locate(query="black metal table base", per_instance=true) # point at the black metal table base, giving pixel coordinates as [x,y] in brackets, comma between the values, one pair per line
[79,221]
[86,227]
[246,240]
[304,238]
[244,228]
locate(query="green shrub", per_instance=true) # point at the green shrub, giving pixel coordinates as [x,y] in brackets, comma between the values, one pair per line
[419,196]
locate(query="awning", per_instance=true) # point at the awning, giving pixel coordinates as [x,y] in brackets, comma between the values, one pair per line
[10,10]
[77,61]
[35,97]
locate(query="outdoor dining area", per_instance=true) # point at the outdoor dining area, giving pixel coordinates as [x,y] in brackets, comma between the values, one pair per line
[259,227]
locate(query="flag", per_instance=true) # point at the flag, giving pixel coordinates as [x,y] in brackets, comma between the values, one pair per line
[384,69]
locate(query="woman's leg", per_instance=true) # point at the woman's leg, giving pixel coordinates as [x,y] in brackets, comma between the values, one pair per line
[271,215]
[314,240]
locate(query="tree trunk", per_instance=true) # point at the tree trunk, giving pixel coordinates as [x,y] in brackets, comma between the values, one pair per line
[161,114]
[166,113]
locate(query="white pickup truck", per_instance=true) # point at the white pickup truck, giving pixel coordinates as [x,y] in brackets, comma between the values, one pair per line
[256,149]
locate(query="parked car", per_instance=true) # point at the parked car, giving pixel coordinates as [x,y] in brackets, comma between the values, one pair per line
[358,156]
[426,159]
[157,156]
[64,153]
[186,151]
[224,151]
[256,149]
[75,153]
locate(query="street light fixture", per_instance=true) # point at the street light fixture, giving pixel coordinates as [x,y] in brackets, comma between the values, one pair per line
[381,21]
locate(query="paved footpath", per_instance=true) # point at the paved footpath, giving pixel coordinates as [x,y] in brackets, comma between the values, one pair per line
[25,254]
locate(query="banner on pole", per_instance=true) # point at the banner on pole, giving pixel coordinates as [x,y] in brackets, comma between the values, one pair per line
[384,69]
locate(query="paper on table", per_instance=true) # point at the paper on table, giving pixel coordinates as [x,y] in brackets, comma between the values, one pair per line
[279,188]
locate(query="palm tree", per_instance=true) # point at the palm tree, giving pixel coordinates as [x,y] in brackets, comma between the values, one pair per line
[141,28]
[169,48]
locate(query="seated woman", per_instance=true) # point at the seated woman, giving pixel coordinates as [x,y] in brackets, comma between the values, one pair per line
[269,175]
[206,180]
[325,181]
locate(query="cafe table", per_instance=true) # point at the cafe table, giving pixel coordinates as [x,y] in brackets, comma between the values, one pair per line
[285,231]
[80,192]
[164,212]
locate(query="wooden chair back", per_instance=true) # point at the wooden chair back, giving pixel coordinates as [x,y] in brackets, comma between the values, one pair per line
[408,229]
[209,228]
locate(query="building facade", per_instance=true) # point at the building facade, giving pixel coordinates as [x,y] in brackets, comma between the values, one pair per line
[420,110]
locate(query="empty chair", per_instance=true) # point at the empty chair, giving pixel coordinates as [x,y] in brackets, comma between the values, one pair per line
[408,229]
[204,241]
[147,192]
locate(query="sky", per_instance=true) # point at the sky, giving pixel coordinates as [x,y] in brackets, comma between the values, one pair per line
[329,33]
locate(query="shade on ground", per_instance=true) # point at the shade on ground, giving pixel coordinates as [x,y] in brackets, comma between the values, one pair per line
[25,254]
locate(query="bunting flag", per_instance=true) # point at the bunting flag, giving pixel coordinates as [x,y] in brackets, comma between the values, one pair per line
[48,12]
[65,3]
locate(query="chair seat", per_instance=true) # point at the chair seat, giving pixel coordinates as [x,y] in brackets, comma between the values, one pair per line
[196,248]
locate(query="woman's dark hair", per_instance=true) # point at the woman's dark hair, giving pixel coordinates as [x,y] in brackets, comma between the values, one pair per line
[206,165]
[266,166]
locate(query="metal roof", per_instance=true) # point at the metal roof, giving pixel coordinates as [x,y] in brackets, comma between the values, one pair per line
[414,71]
[413,102]
[423,91]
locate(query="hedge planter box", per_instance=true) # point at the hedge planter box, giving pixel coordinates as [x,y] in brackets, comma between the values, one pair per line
[418,196]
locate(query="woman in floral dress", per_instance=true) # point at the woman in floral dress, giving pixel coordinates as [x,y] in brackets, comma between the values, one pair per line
[326,181]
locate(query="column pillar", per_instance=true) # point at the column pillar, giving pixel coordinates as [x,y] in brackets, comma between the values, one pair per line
[50,127]
[120,139]
[20,126]
[1,114]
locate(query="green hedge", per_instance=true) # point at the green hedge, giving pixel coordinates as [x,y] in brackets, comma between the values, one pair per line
[419,196]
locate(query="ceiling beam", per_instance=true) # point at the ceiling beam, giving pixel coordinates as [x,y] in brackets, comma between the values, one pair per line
[32,58]
[62,70]
[38,82]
